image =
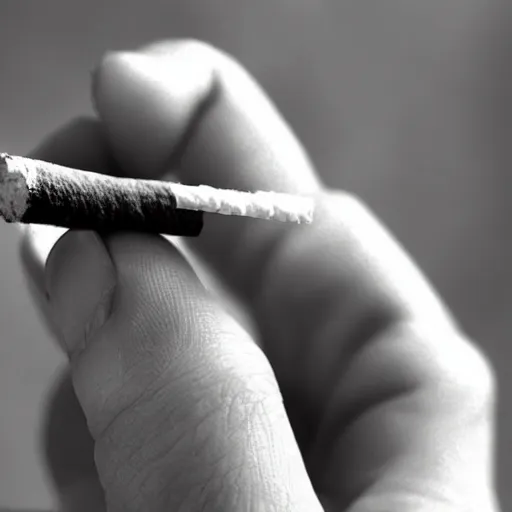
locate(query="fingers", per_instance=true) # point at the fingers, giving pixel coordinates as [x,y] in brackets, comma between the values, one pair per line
[183,407]
[327,296]
[296,278]
[193,84]
[331,299]
[81,144]
[234,138]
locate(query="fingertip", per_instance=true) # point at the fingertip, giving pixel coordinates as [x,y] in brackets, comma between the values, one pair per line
[147,104]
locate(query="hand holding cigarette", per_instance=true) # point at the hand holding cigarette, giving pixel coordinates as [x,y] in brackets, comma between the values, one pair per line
[355,391]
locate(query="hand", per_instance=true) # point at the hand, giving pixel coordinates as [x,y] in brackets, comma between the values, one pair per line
[355,390]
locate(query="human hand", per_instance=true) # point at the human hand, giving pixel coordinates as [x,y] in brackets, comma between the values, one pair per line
[355,391]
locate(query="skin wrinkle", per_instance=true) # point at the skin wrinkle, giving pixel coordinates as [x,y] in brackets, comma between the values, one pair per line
[403,381]
[133,369]
[155,469]
[216,486]
[356,335]
[239,399]
[331,428]
[255,410]
[145,392]
[98,318]
[172,365]
[435,458]
[132,458]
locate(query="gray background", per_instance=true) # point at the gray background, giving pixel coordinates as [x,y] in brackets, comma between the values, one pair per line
[406,103]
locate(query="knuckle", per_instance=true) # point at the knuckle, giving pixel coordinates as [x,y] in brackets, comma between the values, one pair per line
[465,375]
[477,382]
[446,366]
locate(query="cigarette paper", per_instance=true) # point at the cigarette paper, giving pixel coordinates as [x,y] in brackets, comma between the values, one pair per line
[37,192]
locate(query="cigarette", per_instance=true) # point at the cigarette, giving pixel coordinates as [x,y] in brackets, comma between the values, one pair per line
[37,192]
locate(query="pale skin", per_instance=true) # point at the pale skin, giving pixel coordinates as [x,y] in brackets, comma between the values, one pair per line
[351,387]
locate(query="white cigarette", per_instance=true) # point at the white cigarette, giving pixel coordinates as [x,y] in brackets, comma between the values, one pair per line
[33,191]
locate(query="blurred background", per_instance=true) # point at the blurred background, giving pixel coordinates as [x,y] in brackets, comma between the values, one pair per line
[405,103]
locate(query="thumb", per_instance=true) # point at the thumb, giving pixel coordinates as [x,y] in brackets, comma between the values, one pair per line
[182,405]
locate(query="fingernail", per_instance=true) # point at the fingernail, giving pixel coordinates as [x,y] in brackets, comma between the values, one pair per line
[35,246]
[80,282]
